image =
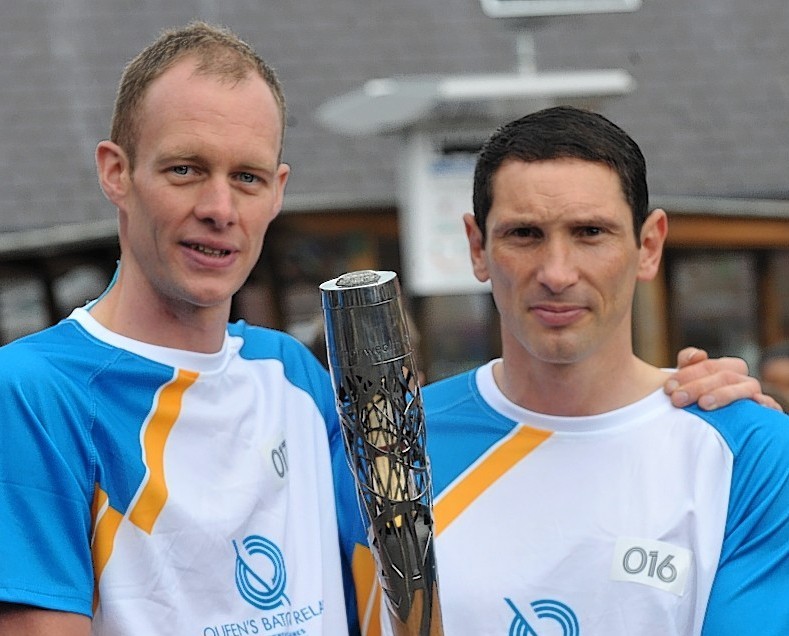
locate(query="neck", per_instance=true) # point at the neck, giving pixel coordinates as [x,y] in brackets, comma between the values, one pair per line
[168,324]
[589,387]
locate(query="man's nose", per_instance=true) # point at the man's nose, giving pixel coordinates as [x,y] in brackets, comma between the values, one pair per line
[557,269]
[216,204]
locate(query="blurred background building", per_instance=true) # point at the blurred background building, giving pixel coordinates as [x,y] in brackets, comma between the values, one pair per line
[706,96]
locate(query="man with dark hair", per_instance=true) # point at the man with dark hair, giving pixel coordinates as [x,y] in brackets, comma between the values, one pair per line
[571,496]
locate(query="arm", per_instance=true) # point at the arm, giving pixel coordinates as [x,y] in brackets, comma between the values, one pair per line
[713,382]
[24,620]
[47,477]
[751,583]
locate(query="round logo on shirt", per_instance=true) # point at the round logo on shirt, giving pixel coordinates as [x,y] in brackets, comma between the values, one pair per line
[544,610]
[260,573]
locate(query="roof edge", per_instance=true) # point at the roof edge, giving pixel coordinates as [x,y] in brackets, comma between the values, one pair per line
[75,236]
[723,206]
[57,238]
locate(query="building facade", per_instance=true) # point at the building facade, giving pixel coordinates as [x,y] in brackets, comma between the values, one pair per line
[709,107]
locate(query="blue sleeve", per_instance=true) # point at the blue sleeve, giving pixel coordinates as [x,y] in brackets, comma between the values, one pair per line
[750,593]
[46,486]
[351,527]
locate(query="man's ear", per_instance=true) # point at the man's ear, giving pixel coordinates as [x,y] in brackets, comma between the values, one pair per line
[114,171]
[283,171]
[653,237]
[476,246]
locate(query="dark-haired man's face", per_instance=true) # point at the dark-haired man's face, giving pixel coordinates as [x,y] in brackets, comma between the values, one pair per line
[562,259]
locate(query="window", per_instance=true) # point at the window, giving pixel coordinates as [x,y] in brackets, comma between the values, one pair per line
[77,286]
[23,306]
[715,303]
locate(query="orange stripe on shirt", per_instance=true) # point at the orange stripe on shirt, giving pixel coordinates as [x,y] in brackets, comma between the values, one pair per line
[501,459]
[106,522]
[154,494]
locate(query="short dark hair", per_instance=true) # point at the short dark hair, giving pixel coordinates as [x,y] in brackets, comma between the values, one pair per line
[563,132]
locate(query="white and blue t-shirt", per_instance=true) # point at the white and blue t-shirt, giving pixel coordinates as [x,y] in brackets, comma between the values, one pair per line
[648,520]
[170,492]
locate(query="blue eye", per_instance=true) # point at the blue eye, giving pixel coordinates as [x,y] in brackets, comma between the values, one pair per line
[181,170]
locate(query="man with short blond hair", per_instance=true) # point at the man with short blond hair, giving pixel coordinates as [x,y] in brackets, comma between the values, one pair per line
[163,471]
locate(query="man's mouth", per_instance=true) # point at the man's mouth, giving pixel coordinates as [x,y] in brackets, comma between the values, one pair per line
[554,316]
[208,251]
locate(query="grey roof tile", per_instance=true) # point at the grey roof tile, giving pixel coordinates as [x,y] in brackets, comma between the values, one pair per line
[711,109]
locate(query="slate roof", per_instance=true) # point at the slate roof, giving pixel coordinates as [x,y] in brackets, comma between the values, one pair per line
[711,110]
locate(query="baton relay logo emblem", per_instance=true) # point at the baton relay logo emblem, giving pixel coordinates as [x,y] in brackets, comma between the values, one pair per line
[544,610]
[262,591]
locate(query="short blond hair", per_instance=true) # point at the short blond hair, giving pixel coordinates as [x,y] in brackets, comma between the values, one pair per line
[218,52]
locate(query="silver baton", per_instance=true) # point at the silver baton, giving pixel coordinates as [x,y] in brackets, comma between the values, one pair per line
[379,400]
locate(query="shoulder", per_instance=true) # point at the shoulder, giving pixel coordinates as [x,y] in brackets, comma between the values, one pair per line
[299,364]
[36,344]
[457,404]
[749,428]
[758,439]
[262,343]
[461,426]
[450,392]
[753,569]
[63,353]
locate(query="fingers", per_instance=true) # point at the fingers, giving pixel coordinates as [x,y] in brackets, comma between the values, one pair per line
[690,355]
[701,367]
[768,401]
[713,383]
[712,392]
[711,389]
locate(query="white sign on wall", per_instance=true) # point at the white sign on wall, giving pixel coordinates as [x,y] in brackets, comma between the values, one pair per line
[532,8]
[436,189]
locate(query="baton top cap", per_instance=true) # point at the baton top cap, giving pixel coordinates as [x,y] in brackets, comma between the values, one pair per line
[363,287]
[357,279]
